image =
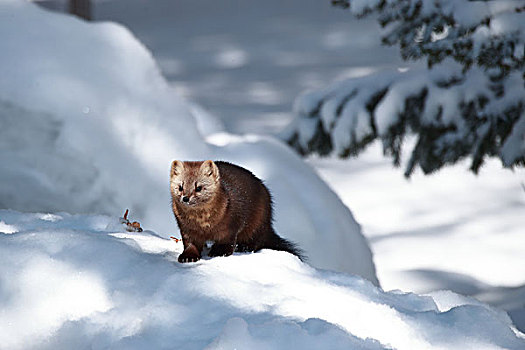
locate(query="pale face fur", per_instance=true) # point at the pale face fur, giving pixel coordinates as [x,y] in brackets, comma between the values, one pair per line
[197,182]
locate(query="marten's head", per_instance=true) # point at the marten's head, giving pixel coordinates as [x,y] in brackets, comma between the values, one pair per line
[193,183]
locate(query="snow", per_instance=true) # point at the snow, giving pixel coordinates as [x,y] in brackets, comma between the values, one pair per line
[288,46]
[451,230]
[92,127]
[306,44]
[76,281]
[7,229]
[135,295]
[342,108]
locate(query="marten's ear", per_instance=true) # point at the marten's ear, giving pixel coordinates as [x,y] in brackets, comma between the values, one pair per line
[176,168]
[209,168]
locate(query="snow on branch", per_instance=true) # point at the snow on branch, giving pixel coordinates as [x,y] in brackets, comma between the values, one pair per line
[470,102]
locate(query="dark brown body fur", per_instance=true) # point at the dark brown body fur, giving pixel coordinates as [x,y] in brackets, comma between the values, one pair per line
[232,207]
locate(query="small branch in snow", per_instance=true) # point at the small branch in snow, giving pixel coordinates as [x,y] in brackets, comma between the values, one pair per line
[130,226]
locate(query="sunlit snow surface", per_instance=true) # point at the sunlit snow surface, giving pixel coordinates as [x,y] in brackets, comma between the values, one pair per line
[82,281]
[452,230]
[91,126]
[72,282]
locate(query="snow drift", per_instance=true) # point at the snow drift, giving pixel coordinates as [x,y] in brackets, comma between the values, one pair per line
[89,125]
[77,281]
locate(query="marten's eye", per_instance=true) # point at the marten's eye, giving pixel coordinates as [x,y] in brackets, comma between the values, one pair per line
[180,188]
[198,188]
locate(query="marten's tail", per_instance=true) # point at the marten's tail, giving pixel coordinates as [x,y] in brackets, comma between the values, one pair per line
[276,242]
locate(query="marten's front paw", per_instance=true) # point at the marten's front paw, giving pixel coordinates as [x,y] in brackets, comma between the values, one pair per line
[221,250]
[189,255]
[185,258]
[188,259]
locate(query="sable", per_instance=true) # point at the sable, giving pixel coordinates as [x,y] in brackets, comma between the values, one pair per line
[223,203]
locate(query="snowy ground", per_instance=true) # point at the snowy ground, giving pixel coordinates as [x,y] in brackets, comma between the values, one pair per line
[452,230]
[135,295]
[76,281]
[246,61]
[92,127]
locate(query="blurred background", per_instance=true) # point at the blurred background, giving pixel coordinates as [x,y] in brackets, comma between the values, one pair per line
[246,61]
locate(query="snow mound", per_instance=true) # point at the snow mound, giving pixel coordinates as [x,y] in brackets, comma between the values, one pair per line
[89,125]
[77,281]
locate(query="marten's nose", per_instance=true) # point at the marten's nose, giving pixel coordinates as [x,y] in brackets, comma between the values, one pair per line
[186,199]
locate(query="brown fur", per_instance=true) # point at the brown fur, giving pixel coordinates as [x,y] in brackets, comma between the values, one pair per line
[233,208]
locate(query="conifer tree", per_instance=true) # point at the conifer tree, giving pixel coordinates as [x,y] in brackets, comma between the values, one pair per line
[468,102]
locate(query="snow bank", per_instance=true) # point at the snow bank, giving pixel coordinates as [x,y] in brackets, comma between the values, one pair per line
[451,230]
[89,125]
[134,295]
